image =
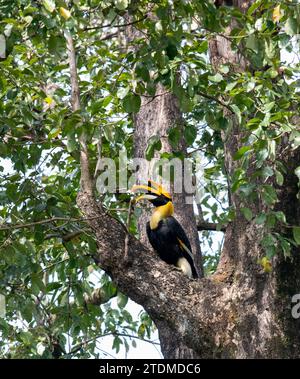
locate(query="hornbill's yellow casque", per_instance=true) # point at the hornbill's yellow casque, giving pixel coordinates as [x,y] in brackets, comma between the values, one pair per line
[165,234]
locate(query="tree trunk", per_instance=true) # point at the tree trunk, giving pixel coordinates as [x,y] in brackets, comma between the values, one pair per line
[265,326]
[240,311]
[156,117]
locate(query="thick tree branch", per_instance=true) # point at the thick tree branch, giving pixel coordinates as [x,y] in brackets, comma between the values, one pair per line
[154,284]
[86,181]
[203,225]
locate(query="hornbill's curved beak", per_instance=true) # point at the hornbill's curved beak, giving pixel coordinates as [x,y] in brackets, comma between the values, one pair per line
[153,191]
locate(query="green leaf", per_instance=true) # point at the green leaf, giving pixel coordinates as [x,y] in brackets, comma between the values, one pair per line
[174,137]
[254,6]
[252,43]
[269,194]
[122,300]
[109,290]
[280,216]
[241,152]
[71,142]
[271,220]
[269,106]
[286,246]
[56,45]
[141,330]
[247,213]
[154,143]
[295,138]
[279,178]
[11,192]
[268,240]
[121,4]
[260,219]
[271,52]
[291,26]
[27,311]
[161,12]
[267,172]
[224,68]
[190,134]
[53,286]
[217,78]
[37,284]
[108,132]
[296,234]
[185,103]
[237,112]
[116,344]
[107,100]
[250,86]
[223,123]
[142,72]
[26,337]
[122,92]
[297,172]
[49,5]
[151,88]
[261,156]
[132,103]
[202,47]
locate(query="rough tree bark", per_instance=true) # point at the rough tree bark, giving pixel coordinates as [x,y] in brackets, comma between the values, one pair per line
[240,311]
[155,118]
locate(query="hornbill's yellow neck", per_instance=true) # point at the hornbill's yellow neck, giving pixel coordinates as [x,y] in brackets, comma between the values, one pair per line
[160,213]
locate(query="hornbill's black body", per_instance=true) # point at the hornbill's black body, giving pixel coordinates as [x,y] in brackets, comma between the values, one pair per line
[165,234]
[165,241]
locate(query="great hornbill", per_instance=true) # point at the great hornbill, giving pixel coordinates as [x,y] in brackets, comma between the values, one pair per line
[165,234]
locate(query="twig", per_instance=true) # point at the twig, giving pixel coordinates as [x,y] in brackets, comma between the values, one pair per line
[40,222]
[115,26]
[108,36]
[79,346]
[70,236]
[153,96]
[7,226]
[200,213]
[86,183]
[45,269]
[217,100]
